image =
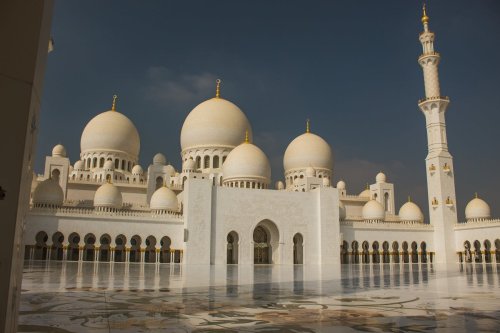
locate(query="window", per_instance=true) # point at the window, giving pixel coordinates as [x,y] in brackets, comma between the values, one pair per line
[198,162]
[216,162]
[206,162]
[117,163]
[101,162]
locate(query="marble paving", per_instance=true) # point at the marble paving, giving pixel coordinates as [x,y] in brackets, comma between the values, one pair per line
[117,297]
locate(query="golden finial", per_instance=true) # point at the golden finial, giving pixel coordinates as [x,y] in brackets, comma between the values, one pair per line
[409,199]
[367,186]
[113,106]
[217,89]
[247,140]
[308,126]
[425,18]
[475,195]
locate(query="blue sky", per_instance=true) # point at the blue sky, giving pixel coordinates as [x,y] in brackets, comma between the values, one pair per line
[349,66]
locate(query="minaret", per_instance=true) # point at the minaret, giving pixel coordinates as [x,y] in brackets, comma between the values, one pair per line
[439,162]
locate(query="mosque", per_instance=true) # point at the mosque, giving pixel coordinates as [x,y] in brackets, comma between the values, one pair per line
[221,208]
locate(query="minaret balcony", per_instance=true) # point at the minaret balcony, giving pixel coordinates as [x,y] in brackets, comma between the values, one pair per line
[434,98]
[429,54]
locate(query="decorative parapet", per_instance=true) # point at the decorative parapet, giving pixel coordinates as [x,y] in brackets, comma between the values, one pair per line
[75,211]
[478,223]
[435,98]
[387,225]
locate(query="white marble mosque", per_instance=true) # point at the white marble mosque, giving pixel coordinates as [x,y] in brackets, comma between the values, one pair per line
[222,208]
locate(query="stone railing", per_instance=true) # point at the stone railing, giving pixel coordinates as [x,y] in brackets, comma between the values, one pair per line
[72,211]
[386,224]
[478,223]
[434,98]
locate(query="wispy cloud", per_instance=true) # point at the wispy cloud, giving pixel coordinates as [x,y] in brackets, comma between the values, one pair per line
[167,88]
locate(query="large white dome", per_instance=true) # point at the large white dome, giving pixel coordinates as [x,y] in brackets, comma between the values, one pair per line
[410,212]
[247,161]
[215,123]
[48,192]
[477,209]
[110,131]
[373,210]
[109,196]
[308,150]
[164,199]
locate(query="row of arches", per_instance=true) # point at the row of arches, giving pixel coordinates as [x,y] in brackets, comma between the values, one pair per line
[98,162]
[480,252]
[104,248]
[356,254]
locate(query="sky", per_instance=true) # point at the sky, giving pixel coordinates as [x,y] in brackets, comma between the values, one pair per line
[349,66]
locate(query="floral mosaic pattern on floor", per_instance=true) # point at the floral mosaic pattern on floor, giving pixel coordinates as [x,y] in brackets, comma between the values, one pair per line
[99,297]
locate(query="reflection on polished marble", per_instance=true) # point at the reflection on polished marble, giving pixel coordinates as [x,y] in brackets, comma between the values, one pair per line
[118,297]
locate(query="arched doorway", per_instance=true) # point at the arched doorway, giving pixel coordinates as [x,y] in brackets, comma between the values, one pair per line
[120,248]
[395,252]
[355,252]
[266,242]
[74,247]
[375,253]
[135,249]
[165,249]
[104,249]
[232,248]
[366,252]
[57,246]
[487,251]
[89,248]
[467,252]
[150,253]
[406,254]
[298,249]
[41,245]
[423,255]
[414,252]
[385,253]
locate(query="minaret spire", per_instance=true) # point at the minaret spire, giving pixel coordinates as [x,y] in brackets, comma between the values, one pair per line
[217,88]
[113,106]
[439,162]
[308,126]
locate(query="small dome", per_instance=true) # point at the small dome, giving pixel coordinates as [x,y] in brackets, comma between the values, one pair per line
[59,151]
[159,159]
[110,131]
[189,165]
[79,165]
[247,161]
[373,210]
[477,209]
[164,199]
[279,185]
[380,178]
[326,182]
[109,196]
[137,170]
[341,185]
[306,150]
[109,165]
[410,212]
[310,172]
[342,212]
[366,193]
[48,192]
[216,122]
[170,170]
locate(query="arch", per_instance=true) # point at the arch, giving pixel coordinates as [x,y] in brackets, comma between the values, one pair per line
[89,247]
[386,258]
[165,243]
[406,254]
[150,253]
[298,249]
[135,249]
[120,248]
[123,165]
[41,245]
[467,251]
[355,252]
[423,252]
[159,182]
[487,251]
[215,162]
[108,177]
[198,162]
[117,163]
[94,162]
[478,256]
[55,174]
[232,247]
[375,253]
[266,243]
[365,246]
[104,248]
[57,246]
[101,162]
[386,201]
[344,247]
[74,247]
[414,252]
[206,162]
[395,252]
